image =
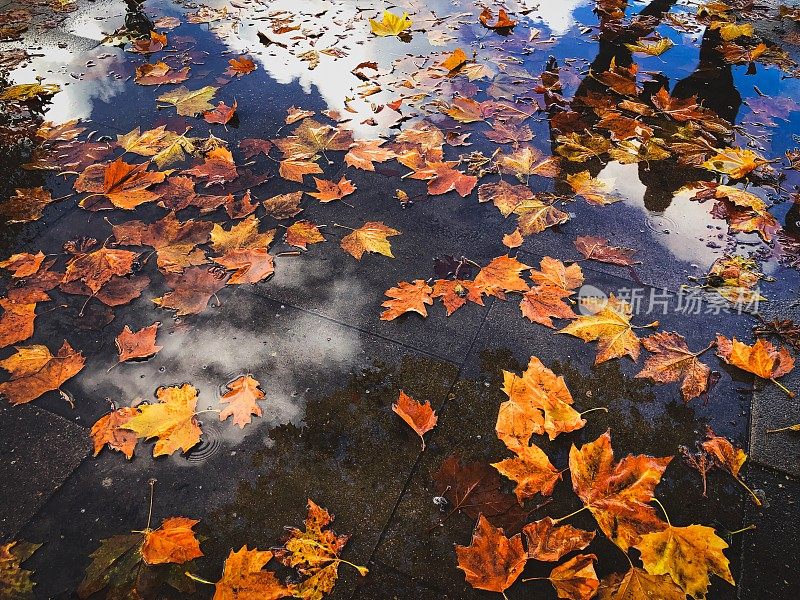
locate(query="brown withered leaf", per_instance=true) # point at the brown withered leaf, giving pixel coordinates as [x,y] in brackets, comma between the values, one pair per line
[239,66]
[526,161]
[364,153]
[599,249]
[419,416]
[117,291]
[550,542]
[536,215]
[302,233]
[251,147]
[728,458]
[455,293]
[244,578]
[26,205]
[221,114]
[513,240]
[133,345]
[175,242]
[284,206]
[576,579]
[16,321]
[23,264]
[95,269]
[159,73]
[191,290]
[538,402]
[250,265]
[492,561]
[217,168]
[502,274]
[123,185]
[505,196]
[294,169]
[328,191]
[34,370]
[673,361]
[638,584]
[617,494]
[503,21]
[15,581]
[107,430]
[532,470]
[407,297]
[241,400]
[370,237]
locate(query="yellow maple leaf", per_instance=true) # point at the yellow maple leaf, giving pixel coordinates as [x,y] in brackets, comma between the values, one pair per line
[390,25]
[171,420]
[370,237]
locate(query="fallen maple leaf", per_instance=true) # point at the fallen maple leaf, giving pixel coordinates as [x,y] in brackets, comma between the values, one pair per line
[95,269]
[108,430]
[391,24]
[492,561]
[673,361]
[16,321]
[597,248]
[536,215]
[315,553]
[734,162]
[538,402]
[124,185]
[191,290]
[217,168]
[575,579]
[761,359]
[455,293]
[542,303]
[284,206]
[728,458]
[656,48]
[328,191]
[442,178]
[34,371]
[687,554]
[407,297]
[617,494]
[612,329]
[501,275]
[240,66]
[140,344]
[190,102]
[244,234]
[595,190]
[638,584]
[513,240]
[222,114]
[454,60]
[26,205]
[23,264]
[243,578]
[159,73]
[420,417]
[363,153]
[241,400]
[370,237]
[550,542]
[171,420]
[302,233]
[526,161]
[532,470]
[173,542]
[250,265]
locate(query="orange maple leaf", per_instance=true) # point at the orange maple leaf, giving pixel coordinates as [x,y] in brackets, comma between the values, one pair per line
[173,542]
[407,297]
[124,185]
[492,561]
[419,416]
[34,371]
[241,400]
[139,344]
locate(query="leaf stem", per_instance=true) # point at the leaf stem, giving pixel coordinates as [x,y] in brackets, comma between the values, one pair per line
[664,510]
[788,392]
[572,514]
[152,483]
[787,428]
[756,499]
[743,529]
[200,579]
[343,226]
[603,408]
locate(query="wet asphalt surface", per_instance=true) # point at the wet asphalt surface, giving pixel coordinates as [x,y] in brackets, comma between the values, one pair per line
[331,369]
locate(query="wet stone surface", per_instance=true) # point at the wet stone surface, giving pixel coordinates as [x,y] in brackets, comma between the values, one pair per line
[312,335]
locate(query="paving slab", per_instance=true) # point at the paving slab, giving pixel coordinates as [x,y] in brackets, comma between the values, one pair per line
[773,409]
[642,418]
[327,434]
[29,438]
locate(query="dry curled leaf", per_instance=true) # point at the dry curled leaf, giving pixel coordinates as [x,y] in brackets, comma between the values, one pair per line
[108,430]
[596,248]
[762,358]
[576,578]
[550,542]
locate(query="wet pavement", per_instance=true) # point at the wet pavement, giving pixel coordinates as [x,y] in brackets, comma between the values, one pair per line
[312,333]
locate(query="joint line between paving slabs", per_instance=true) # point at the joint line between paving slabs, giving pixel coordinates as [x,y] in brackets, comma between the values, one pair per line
[413,470]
